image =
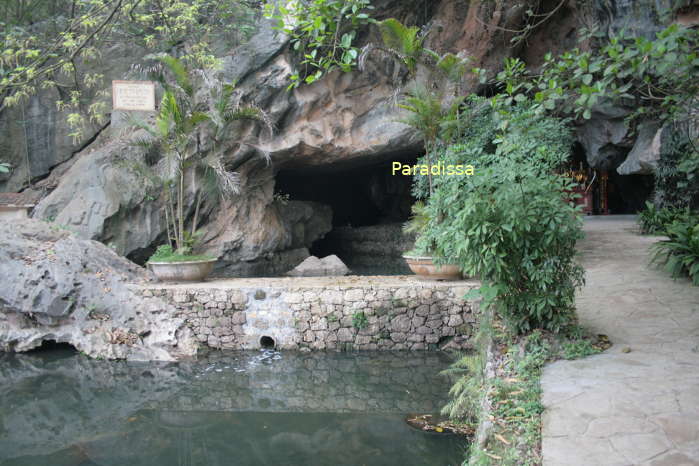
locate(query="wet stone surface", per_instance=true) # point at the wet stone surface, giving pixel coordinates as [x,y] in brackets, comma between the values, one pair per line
[335,313]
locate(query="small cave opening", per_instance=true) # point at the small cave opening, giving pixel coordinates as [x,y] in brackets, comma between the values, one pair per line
[54,349]
[369,203]
[608,192]
[267,342]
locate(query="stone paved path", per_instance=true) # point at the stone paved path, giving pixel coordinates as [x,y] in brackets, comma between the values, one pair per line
[627,408]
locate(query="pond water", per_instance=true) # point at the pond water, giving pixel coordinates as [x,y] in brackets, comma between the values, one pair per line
[258,408]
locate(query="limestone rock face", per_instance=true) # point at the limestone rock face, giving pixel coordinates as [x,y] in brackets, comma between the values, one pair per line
[314,267]
[344,120]
[605,137]
[103,197]
[62,288]
[38,132]
[645,154]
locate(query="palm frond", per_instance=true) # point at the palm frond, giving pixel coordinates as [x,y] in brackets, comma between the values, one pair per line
[179,72]
[227,182]
[453,67]
[250,112]
[400,37]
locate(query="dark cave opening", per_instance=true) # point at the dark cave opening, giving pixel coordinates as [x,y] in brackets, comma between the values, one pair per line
[369,205]
[612,193]
[360,196]
[54,349]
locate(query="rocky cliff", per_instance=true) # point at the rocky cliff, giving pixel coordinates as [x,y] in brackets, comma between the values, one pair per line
[57,287]
[341,123]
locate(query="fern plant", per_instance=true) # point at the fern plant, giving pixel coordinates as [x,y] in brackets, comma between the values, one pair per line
[401,41]
[433,106]
[466,391]
[653,220]
[680,254]
[428,115]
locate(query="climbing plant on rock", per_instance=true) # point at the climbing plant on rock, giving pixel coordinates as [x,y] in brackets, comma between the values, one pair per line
[655,77]
[323,32]
[48,44]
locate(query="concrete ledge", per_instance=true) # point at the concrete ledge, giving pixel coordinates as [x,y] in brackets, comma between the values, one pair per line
[317,313]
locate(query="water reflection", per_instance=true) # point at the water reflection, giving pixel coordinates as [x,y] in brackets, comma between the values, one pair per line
[228,408]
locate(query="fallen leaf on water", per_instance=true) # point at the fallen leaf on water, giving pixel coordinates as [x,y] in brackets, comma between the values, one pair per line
[439,429]
[131,419]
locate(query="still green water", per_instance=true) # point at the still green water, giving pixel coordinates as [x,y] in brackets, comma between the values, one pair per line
[59,408]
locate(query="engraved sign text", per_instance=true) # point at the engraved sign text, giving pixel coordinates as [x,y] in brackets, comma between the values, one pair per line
[133,95]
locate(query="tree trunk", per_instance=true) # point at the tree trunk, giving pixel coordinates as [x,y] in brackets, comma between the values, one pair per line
[180,211]
[196,214]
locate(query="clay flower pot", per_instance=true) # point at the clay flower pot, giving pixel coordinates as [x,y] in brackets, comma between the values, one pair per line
[190,271]
[423,267]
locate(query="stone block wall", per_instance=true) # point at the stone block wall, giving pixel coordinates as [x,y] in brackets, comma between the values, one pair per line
[396,315]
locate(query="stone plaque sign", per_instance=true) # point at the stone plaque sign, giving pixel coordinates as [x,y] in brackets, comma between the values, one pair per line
[133,95]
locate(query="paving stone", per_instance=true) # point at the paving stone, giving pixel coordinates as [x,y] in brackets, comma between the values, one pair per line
[636,407]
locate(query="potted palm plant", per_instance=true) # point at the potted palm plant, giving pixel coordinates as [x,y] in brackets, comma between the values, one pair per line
[420,258]
[190,172]
[434,111]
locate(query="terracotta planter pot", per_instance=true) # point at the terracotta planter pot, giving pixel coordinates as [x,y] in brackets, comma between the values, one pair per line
[423,267]
[190,271]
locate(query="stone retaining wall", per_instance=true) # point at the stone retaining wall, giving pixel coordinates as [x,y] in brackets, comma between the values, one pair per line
[348,313]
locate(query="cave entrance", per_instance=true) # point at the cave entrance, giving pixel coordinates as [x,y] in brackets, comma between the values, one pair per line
[53,350]
[369,206]
[609,192]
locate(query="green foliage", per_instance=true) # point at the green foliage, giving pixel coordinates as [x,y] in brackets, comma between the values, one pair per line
[46,44]
[509,224]
[680,254]
[403,41]
[656,77]
[418,220]
[166,253]
[576,349]
[323,32]
[514,398]
[360,320]
[466,392]
[176,135]
[677,174]
[655,221]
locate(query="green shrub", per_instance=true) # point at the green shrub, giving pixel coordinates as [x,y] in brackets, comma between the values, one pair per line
[677,174]
[654,220]
[680,254]
[322,32]
[166,253]
[576,349]
[509,223]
